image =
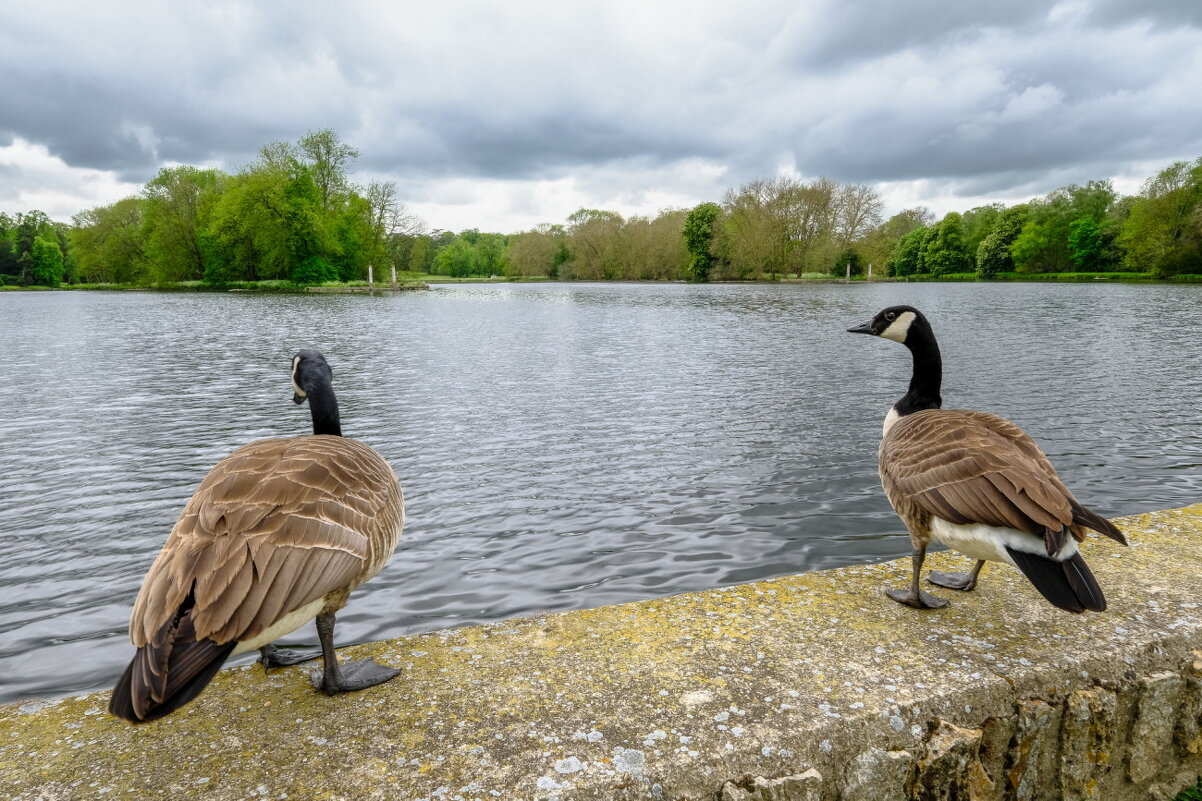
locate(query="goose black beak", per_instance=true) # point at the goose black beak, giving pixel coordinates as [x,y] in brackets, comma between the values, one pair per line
[866,328]
[298,399]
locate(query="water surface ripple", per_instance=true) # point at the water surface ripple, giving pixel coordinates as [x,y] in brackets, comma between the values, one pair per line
[560,445]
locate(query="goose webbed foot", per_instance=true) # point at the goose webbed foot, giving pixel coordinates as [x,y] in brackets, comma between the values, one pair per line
[964,582]
[913,596]
[917,599]
[953,581]
[273,657]
[352,676]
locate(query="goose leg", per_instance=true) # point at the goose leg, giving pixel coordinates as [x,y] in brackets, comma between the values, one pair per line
[914,596]
[349,677]
[957,581]
[273,657]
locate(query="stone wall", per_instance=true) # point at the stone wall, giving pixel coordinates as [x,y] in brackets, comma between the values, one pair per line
[1117,740]
[805,687]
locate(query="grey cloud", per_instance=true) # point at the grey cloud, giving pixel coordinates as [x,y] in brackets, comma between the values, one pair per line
[1079,100]
[848,32]
[1160,13]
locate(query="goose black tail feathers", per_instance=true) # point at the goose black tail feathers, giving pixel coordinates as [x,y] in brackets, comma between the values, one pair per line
[1067,584]
[1090,519]
[169,671]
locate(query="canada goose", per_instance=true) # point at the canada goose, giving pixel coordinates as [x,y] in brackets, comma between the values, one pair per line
[978,484]
[279,532]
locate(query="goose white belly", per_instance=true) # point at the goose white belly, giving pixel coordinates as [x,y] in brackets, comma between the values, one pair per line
[285,625]
[990,542]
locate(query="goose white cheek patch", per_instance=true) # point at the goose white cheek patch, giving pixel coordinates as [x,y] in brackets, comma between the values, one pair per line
[898,329]
[296,387]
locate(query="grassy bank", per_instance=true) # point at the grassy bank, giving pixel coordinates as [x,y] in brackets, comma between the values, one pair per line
[233,286]
[421,280]
[1127,278]
[1191,793]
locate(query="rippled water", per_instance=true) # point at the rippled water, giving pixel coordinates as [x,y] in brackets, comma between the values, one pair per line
[560,445]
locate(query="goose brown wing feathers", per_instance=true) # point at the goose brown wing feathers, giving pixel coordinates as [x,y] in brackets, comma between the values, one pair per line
[274,526]
[974,467]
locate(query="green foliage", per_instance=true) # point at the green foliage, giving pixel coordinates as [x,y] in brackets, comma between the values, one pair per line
[1163,232]
[849,256]
[1191,793]
[879,244]
[47,262]
[906,258]
[9,267]
[993,253]
[455,260]
[1086,247]
[979,223]
[1042,246]
[313,270]
[699,228]
[327,159]
[20,253]
[945,252]
[178,202]
[293,215]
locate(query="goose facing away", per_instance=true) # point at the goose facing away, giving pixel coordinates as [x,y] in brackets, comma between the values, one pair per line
[279,532]
[978,484]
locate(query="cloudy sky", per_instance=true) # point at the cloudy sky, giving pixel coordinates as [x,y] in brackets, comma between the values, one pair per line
[504,115]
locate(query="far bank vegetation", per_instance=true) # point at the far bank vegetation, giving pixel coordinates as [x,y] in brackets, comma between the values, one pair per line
[293,216]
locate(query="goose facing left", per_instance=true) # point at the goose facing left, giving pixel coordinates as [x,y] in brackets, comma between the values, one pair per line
[978,484]
[278,533]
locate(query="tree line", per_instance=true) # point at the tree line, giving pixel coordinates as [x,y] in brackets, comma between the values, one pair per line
[294,215]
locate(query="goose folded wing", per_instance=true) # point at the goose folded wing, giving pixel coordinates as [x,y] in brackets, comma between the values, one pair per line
[965,472]
[253,548]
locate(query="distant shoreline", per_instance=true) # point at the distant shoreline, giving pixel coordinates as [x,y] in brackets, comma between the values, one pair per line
[425,281]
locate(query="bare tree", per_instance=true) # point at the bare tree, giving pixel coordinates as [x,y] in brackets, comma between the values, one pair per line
[857,208]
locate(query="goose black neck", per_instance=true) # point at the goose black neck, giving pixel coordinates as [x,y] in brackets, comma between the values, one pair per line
[928,371]
[324,408]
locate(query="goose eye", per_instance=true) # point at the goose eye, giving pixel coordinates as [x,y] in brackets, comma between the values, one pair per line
[890,316]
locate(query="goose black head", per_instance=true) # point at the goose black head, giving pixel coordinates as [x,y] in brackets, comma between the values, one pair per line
[893,323]
[309,371]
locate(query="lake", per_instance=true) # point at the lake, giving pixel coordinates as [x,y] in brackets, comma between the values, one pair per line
[560,445]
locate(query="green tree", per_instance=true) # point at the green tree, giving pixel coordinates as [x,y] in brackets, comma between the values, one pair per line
[108,242]
[538,252]
[699,228]
[595,240]
[455,259]
[850,257]
[656,247]
[328,159]
[178,203]
[47,261]
[879,244]
[1161,232]
[993,253]
[10,269]
[978,223]
[946,253]
[907,256]
[421,254]
[307,233]
[1042,246]
[1086,247]
[28,229]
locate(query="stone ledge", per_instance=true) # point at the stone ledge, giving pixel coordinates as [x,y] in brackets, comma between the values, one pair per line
[806,687]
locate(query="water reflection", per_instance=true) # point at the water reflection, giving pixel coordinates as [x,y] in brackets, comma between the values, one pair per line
[560,445]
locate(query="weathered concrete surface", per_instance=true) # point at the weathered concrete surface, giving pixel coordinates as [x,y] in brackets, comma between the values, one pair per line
[807,687]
